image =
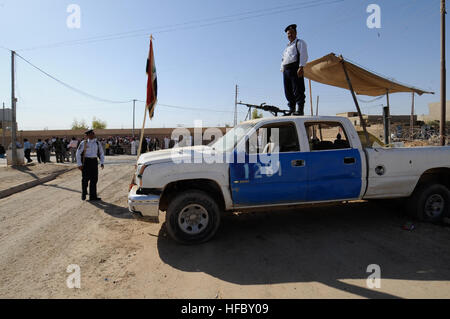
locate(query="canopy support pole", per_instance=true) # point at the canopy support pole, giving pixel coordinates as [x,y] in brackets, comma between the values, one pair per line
[350,86]
[317,106]
[411,122]
[310,97]
[386,120]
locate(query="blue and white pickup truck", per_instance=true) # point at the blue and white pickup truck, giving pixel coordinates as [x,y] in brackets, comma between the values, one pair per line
[291,160]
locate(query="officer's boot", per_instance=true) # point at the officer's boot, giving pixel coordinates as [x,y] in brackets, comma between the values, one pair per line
[299,110]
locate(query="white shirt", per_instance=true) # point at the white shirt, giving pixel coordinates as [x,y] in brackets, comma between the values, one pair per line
[73,144]
[92,150]
[290,53]
[133,147]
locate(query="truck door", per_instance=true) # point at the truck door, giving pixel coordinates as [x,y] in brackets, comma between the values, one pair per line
[273,169]
[334,166]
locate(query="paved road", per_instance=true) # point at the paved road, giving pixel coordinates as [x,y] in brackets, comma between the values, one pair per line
[308,253]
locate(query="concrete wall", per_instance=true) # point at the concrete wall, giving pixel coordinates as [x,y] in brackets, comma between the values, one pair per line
[378,119]
[33,136]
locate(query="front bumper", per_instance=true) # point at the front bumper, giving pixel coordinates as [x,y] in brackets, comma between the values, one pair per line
[145,205]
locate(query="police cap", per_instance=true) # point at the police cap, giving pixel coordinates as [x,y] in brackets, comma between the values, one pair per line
[291,27]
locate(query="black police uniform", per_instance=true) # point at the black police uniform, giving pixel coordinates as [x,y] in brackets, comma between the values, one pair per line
[294,86]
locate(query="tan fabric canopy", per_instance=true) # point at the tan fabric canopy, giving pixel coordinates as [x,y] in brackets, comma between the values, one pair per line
[328,70]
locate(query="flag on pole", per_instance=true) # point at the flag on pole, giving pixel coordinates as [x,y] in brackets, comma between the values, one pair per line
[152,87]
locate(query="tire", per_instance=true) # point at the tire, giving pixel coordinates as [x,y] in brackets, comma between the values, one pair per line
[429,202]
[192,217]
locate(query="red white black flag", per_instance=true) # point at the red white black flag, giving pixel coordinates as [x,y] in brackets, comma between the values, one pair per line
[152,87]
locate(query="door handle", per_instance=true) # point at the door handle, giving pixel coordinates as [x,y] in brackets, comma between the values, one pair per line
[297,163]
[349,160]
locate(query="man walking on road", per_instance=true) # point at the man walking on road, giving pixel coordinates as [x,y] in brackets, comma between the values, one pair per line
[27,150]
[294,59]
[88,152]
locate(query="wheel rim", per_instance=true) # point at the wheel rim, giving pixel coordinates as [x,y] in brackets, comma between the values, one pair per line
[193,219]
[434,206]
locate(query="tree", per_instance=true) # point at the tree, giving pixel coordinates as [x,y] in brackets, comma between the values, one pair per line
[79,125]
[256,114]
[98,124]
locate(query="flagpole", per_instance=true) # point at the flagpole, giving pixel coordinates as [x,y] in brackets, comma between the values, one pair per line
[142,133]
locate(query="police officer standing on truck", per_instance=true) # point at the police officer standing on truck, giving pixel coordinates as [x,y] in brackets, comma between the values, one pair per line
[294,59]
[87,153]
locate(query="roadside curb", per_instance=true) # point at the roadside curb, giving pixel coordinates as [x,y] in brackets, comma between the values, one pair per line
[27,185]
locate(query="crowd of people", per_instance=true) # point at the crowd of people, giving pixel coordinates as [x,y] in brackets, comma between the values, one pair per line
[154,144]
[65,148]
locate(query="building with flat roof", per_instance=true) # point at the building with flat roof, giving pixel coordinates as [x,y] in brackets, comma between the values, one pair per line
[6,118]
[434,112]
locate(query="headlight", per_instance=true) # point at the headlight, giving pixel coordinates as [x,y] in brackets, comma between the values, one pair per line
[141,169]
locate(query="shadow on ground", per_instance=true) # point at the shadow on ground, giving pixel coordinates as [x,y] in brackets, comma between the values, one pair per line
[325,245]
[25,169]
[112,210]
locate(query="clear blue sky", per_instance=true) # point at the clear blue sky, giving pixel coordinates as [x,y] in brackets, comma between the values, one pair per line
[199,63]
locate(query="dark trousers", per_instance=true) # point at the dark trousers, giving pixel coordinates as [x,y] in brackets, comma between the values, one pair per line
[90,176]
[27,155]
[40,155]
[59,156]
[294,89]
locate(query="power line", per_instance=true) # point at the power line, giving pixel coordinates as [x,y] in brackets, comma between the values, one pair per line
[5,48]
[192,24]
[193,108]
[72,87]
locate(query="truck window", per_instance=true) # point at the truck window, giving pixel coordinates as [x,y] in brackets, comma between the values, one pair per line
[274,138]
[326,136]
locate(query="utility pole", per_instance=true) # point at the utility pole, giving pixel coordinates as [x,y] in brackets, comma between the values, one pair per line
[134,108]
[443,75]
[13,112]
[235,104]
[3,126]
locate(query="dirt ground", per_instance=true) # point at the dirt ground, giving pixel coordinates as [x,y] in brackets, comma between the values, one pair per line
[13,176]
[302,253]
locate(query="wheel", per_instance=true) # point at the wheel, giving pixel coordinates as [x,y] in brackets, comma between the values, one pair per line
[192,217]
[430,202]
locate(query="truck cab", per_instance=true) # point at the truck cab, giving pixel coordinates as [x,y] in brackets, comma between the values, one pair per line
[299,160]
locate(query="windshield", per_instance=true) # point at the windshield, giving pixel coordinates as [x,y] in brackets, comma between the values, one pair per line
[228,142]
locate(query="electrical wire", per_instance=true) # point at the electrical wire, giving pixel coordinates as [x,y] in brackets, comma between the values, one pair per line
[81,92]
[214,109]
[192,24]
